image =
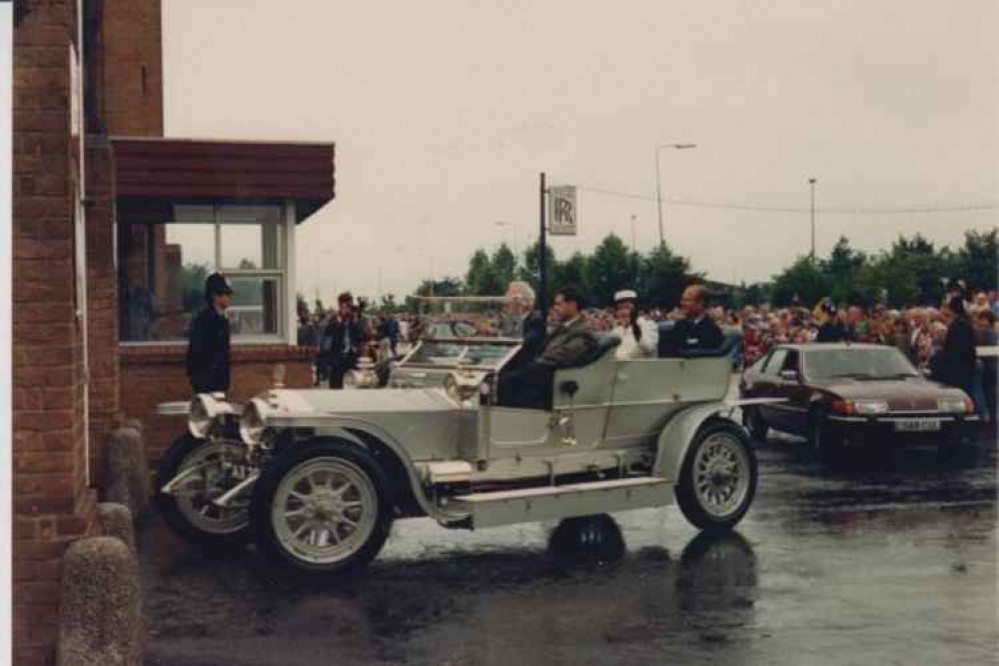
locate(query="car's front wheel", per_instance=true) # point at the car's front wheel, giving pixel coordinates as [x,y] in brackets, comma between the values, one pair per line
[189,508]
[718,477]
[322,508]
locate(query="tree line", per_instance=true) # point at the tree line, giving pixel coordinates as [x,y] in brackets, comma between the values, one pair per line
[913,271]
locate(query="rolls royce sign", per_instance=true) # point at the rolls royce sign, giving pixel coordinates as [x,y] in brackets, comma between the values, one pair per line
[563,211]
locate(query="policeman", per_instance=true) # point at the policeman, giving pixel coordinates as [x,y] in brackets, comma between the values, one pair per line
[208,350]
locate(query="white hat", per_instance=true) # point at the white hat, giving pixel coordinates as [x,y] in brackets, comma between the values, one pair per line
[625,295]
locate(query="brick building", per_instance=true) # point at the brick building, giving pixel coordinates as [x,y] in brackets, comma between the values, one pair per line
[113,228]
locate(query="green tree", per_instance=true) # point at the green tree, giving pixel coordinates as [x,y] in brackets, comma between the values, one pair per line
[529,272]
[192,279]
[572,271]
[481,279]
[609,269]
[842,268]
[803,283]
[504,265]
[448,286]
[662,277]
[977,261]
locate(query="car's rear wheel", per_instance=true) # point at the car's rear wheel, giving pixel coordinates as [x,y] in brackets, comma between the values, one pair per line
[189,510]
[718,477]
[322,508]
[755,424]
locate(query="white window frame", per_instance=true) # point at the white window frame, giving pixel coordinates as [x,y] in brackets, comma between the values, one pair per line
[286,333]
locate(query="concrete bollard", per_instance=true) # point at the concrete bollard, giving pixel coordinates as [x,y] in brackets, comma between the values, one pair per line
[100,618]
[116,521]
[127,476]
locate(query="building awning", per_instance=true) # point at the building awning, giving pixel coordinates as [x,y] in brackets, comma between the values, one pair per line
[193,169]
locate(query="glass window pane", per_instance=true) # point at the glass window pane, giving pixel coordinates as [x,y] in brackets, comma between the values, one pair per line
[251,246]
[162,271]
[256,306]
[193,213]
[271,214]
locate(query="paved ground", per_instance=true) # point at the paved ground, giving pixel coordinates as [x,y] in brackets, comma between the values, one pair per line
[887,560]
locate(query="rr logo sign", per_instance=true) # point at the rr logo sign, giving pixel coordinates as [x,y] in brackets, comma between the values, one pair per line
[563,211]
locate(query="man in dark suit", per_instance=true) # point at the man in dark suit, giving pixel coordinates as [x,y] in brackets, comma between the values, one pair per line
[344,337]
[696,330]
[834,328]
[208,346]
[954,364]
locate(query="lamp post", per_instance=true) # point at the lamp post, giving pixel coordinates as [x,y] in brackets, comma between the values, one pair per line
[811,185]
[659,193]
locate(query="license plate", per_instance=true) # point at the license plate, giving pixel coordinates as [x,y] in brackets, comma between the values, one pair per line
[917,425]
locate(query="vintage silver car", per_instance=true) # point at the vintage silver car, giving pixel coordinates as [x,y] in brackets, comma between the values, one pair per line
[317,476]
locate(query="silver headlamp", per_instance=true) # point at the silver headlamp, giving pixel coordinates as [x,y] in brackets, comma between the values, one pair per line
[204,409]
[253,422]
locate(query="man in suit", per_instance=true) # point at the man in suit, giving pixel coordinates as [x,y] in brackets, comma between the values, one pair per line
[345,339]
[696,330]
[570,342]
[208,347]
[954,364]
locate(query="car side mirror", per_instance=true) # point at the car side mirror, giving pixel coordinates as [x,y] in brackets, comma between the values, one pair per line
[789,375]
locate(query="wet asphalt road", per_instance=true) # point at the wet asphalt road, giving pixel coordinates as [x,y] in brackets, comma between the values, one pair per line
[888,559]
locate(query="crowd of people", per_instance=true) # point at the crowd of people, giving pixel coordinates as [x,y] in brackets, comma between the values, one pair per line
[965,320]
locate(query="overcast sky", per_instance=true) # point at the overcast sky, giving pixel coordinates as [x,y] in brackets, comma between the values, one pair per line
[444,113]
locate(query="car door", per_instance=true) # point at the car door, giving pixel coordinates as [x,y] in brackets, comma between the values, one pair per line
[765,385]
[790,385]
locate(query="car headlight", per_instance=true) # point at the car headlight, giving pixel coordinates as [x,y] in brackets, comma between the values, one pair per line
[870,407]
[955,405]
[253,422]
[202,413]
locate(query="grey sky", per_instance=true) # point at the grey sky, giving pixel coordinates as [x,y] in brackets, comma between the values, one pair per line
[444,112]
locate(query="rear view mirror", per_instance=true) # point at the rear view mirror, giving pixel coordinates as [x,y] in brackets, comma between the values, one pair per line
[789,375]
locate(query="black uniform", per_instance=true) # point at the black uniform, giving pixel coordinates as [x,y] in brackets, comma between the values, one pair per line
[344,340]
[688,335]
[208,352]
[831,331]
[954,365]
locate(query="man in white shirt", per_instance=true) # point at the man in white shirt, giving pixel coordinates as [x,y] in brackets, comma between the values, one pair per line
[639,336]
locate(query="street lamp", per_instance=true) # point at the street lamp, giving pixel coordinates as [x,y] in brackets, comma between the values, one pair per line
[659,193]
[811,185]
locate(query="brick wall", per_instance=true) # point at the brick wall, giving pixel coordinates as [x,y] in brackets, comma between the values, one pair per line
[132,67]
[153,375]
[102,300]
[52,505]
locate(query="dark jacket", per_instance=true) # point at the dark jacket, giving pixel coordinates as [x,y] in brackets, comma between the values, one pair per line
[568,344]
[687,335]
[337,353]
[831,331]
[208,352]
[955,365]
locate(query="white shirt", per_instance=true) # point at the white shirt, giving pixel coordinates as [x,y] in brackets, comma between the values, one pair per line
[647,347]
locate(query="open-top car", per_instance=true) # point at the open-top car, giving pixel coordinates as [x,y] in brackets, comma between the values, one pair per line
[317,476]
[846,393]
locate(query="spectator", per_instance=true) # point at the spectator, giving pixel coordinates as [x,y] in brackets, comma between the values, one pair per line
[954,364]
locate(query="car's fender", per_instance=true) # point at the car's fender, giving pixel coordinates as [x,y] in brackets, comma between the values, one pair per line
[364,434]
[679,432]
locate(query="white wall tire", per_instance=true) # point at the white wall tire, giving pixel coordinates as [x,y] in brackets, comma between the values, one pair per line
[188,511]
[322,508]
[718,478]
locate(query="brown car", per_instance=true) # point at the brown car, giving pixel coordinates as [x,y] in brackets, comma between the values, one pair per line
[851,393]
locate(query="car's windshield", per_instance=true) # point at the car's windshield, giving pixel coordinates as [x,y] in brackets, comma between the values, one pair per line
[477,354]
[859,363]
[469,316]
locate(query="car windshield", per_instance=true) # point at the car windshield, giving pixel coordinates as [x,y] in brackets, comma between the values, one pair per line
[478,354]
[469,316]
[859,363]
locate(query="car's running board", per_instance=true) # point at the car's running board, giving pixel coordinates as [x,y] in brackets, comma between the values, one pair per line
[507,507]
